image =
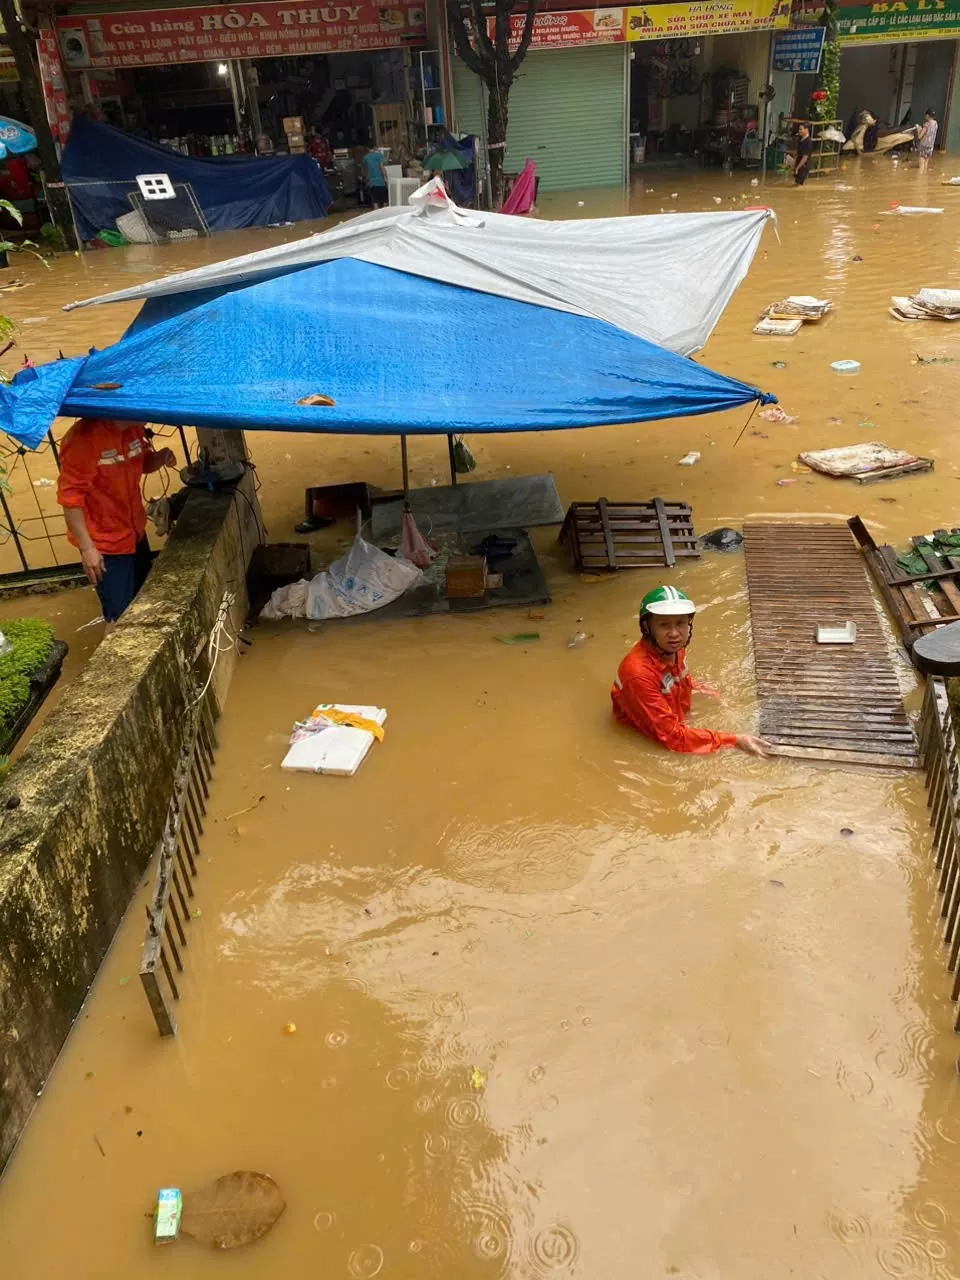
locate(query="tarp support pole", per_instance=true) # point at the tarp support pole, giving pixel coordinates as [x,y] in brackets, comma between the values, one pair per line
[14,532]
[452,457]
[403,464]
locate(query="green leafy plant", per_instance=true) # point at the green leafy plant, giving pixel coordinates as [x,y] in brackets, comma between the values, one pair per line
[828,78]
[53,237]
[25,246]
[31,643]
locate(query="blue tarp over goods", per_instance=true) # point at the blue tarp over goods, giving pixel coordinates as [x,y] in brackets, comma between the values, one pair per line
[100,165]
[394,352]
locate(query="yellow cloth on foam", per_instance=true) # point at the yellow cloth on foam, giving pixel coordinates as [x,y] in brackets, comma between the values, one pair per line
[349,719]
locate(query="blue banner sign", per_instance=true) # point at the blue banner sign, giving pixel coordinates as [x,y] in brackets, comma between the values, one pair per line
[798,49]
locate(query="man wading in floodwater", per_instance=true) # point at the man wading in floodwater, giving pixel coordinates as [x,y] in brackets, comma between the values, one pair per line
[653,690]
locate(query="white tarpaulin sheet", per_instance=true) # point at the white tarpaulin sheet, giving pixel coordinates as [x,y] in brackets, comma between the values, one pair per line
[666,278]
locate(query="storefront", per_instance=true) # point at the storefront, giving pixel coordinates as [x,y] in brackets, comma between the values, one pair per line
[700,72]
[600,88]
[897,59]
[568,105]
[209,80]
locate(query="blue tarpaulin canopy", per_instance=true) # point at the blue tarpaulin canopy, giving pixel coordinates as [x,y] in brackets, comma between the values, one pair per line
[100,166]
[394,352]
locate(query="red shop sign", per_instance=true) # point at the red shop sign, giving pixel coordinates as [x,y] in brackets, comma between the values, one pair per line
[565,29]
[149,37]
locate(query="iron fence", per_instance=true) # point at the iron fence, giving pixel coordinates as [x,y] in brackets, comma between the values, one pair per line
[938,750]
[33,534]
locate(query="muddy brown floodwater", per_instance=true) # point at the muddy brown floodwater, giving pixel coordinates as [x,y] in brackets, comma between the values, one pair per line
[716,1034]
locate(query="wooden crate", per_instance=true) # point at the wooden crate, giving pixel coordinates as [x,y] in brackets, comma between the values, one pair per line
[606,535]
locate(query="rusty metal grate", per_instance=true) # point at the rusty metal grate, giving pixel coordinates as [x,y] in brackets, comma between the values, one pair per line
[824,702]
[938,748]
[168,911]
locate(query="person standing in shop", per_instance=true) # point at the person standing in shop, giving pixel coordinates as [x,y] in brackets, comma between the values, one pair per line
[376,177]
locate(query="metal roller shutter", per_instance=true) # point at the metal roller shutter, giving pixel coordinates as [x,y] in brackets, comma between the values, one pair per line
[567,113]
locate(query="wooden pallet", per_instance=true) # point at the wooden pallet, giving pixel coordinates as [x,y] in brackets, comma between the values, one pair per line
[628,535]
[840,703]
[918,603]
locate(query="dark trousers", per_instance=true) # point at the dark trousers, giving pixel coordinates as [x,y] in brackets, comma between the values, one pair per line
[123,576]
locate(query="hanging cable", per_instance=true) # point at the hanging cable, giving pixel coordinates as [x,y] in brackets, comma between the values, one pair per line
[214,647]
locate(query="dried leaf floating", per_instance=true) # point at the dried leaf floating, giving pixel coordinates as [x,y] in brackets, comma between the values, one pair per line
[107,386]
[237,1209]
[317,399]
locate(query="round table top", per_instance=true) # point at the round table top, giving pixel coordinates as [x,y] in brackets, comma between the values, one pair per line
[938,652]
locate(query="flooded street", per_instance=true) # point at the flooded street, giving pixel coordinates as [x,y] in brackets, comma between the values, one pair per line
[712,1034]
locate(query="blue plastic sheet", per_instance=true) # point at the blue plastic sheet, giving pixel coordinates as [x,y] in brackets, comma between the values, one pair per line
[16,139]
[100,165]
[394,352]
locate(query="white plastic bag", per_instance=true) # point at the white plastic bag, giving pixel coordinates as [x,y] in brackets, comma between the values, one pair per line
[287,602]
[364,579]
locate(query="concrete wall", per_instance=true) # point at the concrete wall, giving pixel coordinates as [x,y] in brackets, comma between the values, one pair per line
[93,788]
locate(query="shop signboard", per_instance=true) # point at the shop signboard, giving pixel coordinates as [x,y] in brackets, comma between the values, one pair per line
[216,33]
[893,20]
[799,49]
[52,81]
[576,27]
[573,27]
[706,18]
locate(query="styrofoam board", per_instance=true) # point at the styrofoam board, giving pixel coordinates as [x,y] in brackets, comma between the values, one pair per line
[338,750]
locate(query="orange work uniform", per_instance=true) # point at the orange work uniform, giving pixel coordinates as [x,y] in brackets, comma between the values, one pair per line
[653,694]
[101,465]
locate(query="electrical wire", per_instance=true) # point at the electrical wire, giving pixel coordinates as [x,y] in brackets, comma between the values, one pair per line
[214,647]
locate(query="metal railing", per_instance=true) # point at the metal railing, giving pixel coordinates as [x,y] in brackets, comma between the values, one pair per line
[168,911]
[938,750]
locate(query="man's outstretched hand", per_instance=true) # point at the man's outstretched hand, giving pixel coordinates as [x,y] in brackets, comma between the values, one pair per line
[752,746]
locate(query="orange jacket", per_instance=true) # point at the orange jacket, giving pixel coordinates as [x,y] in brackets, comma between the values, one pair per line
[653,694]
[101,464]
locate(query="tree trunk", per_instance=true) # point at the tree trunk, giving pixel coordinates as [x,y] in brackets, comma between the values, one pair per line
[21,46]
[496,143]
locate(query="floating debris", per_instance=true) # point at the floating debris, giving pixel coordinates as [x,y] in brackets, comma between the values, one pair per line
[774,413]
[928,304]
[865,462]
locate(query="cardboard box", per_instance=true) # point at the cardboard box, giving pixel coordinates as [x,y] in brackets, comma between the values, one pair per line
[293,124]
[466,578]
[166,1218]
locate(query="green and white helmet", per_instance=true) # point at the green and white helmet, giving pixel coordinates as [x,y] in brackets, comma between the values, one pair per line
[666,600]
